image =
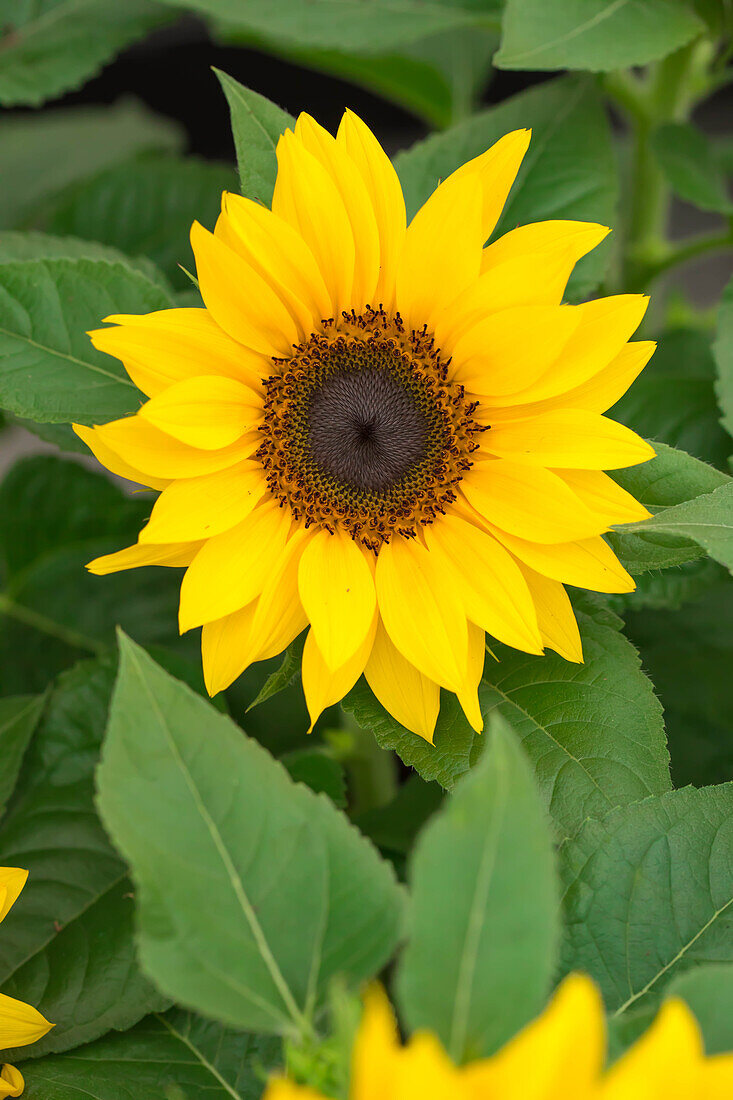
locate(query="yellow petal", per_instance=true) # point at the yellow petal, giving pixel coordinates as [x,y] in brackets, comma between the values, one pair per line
[337,591]
[279,254]
[376,1049]
[555,615]
[423,618]
[207,412]
[442,252]
[20,1024]
[225,648]
[239,299]
[411,698]
[112,461]
[12,881]
[587,563]
[559,1056]
[530,502]
[11,1082]
[159,455]
[597,394]
[496,170]
[281,1089]
[494,592]
[322,686]
[664,1063]
[133,557]
[169,345]
[605,325]
[604,497]
[468,695]
[508,351]
[509,285]
[230,570]
[307,198]
[387,200]
[569,438]
[357,203]
[549,241]
[200,507]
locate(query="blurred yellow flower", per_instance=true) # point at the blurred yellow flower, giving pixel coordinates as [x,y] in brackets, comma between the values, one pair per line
[560,1056]
[390,434]
[20,1024]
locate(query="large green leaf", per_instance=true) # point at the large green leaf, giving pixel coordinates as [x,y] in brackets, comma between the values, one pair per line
[294,895]
[145,208]
[568,172]
[32,245]
[723,349]
[593,732]
[67,945]
[98,136]
[177,1055]
[19,716]
[708,991]
[484,913]
[599,35]
[689,658]
[54,45]
[256,126]
[707,521]
[670,479]
[48,368]
[687,158]
[649,893]
[673,400]
[347,25]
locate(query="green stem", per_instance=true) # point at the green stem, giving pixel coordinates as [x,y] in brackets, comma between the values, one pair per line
[40,622]
[371,771]
[689,250]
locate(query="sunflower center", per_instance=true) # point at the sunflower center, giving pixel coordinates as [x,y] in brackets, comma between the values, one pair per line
[364,430]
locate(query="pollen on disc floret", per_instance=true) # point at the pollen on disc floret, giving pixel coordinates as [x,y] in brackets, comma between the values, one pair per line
[364,429]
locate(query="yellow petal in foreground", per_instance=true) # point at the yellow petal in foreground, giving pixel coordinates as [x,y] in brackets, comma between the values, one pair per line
[555,616]
[586,563]
[323,686]
[666,1062]
[604,496]
[11,1082]
[173,554]
[12,881]
[336,589]
[468,693]
[410,697]
[112,461]
[20,1024]
[159,455]
[496,170]
[568,438]
[201,507]
[209,412]
[568,241]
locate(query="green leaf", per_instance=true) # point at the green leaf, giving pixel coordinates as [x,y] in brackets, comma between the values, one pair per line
[53,611]
[649,893]
[346,25]
[707,520]
[673,400]
[723,350]
[55,46]
[48,368]
[484,913]
[688,161]
[256,126]
[176,1055]
[671,478]
[19,716]
[286,674]
[43,246]
[145,208]
[99,136]
[689,658]
[568,172]
[294,895]
[708,991]
[593,732]
[67,945]
[319,771]
[593,34]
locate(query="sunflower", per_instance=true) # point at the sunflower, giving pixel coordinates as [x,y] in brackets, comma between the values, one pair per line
[557,1057]
[390,434]
[20,1024]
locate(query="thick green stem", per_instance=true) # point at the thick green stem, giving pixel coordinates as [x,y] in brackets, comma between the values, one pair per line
[371,771]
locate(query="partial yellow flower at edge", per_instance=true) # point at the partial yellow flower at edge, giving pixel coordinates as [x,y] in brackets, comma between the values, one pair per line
[559,1056]
[11,1082]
